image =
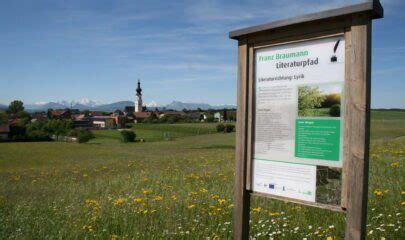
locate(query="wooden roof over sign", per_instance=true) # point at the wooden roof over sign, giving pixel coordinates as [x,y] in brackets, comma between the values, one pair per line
[372,6]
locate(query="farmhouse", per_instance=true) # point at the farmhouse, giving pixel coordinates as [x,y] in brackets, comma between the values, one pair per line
[103,122]
[140,116]
[219,117]
[60,114]
[4,131]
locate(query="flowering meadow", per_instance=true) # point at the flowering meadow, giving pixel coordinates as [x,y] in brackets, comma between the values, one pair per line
[178,189]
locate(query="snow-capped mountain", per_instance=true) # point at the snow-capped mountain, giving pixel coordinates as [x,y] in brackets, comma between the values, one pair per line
[86,104]
[151,104]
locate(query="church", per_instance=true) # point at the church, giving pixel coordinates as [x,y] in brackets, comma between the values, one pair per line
[138,111]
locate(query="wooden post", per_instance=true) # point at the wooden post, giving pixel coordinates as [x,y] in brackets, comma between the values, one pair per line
[357,116]
[242,196]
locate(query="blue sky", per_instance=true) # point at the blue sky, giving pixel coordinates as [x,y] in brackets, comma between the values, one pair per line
[70,50]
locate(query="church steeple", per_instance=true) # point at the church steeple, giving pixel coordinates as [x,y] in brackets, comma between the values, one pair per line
[138,98]
[139,89]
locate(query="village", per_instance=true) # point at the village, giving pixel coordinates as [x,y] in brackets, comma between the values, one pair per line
[12,120]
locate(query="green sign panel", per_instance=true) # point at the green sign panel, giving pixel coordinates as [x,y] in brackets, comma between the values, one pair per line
[317,139]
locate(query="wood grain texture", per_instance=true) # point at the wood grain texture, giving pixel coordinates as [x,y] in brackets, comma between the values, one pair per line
[251,119]
[308,30]
[357,117]
[242,197]
[302,202]
[346,125]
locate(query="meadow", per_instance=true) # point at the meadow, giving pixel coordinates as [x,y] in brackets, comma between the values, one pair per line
[178,189]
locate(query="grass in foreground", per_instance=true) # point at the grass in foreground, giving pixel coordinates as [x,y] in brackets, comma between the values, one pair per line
[171,189]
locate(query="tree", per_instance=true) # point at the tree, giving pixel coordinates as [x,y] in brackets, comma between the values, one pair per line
[49,113]
[3,117]
[331,99]
[86,113]
[225,115]
[334,111]
[309,98]
[118,112]
[152,118]
[15,107]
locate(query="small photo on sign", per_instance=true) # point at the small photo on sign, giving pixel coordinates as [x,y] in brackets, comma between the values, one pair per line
[328,185]
[323,100]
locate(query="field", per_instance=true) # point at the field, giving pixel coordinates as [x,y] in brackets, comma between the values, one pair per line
[178,189]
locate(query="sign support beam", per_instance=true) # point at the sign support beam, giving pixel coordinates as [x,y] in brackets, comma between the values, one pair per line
[358,74]
[242,196]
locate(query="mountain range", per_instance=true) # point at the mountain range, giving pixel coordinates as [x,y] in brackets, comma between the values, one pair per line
[97,106]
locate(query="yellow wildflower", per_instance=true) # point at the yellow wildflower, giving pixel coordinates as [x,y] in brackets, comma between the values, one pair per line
[395,164]
[402,203]
[203,190]
[147,191]
[92,203]
[192,194]
[275,214]
[158,198]
[231,206]
[259,209]
[221,201]
[378,193]
[138,200]
[214,196]
[119,201]
[191,206]
[174,198]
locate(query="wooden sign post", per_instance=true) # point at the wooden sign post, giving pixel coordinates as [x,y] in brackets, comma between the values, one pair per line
[280,62]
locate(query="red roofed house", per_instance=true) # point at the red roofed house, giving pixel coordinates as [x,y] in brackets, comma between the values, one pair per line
[61,114]
[4,131]
[140,116]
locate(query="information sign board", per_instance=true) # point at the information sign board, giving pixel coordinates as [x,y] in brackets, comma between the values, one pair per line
[298,120]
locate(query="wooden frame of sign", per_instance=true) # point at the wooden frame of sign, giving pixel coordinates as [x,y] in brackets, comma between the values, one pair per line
[354,24]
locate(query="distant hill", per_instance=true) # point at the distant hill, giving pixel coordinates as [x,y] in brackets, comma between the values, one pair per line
[113,106]
[3,107]
[175,105]
[44,106]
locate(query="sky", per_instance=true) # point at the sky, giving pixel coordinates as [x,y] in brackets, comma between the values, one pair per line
[54,50]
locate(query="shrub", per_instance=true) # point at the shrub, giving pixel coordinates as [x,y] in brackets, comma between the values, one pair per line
[210,119]
[128,136]
[38,135]
[221,127]
[84,136]
[330,100]
[335,110]
[229,128]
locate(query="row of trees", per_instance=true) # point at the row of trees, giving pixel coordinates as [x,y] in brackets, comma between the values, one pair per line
[40,131]
[25,130]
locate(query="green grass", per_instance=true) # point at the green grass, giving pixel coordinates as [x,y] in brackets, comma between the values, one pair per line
[315,112]
[390,124]
[180,189]
[156,132]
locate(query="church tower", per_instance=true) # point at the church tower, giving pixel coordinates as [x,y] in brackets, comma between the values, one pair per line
[138,98]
